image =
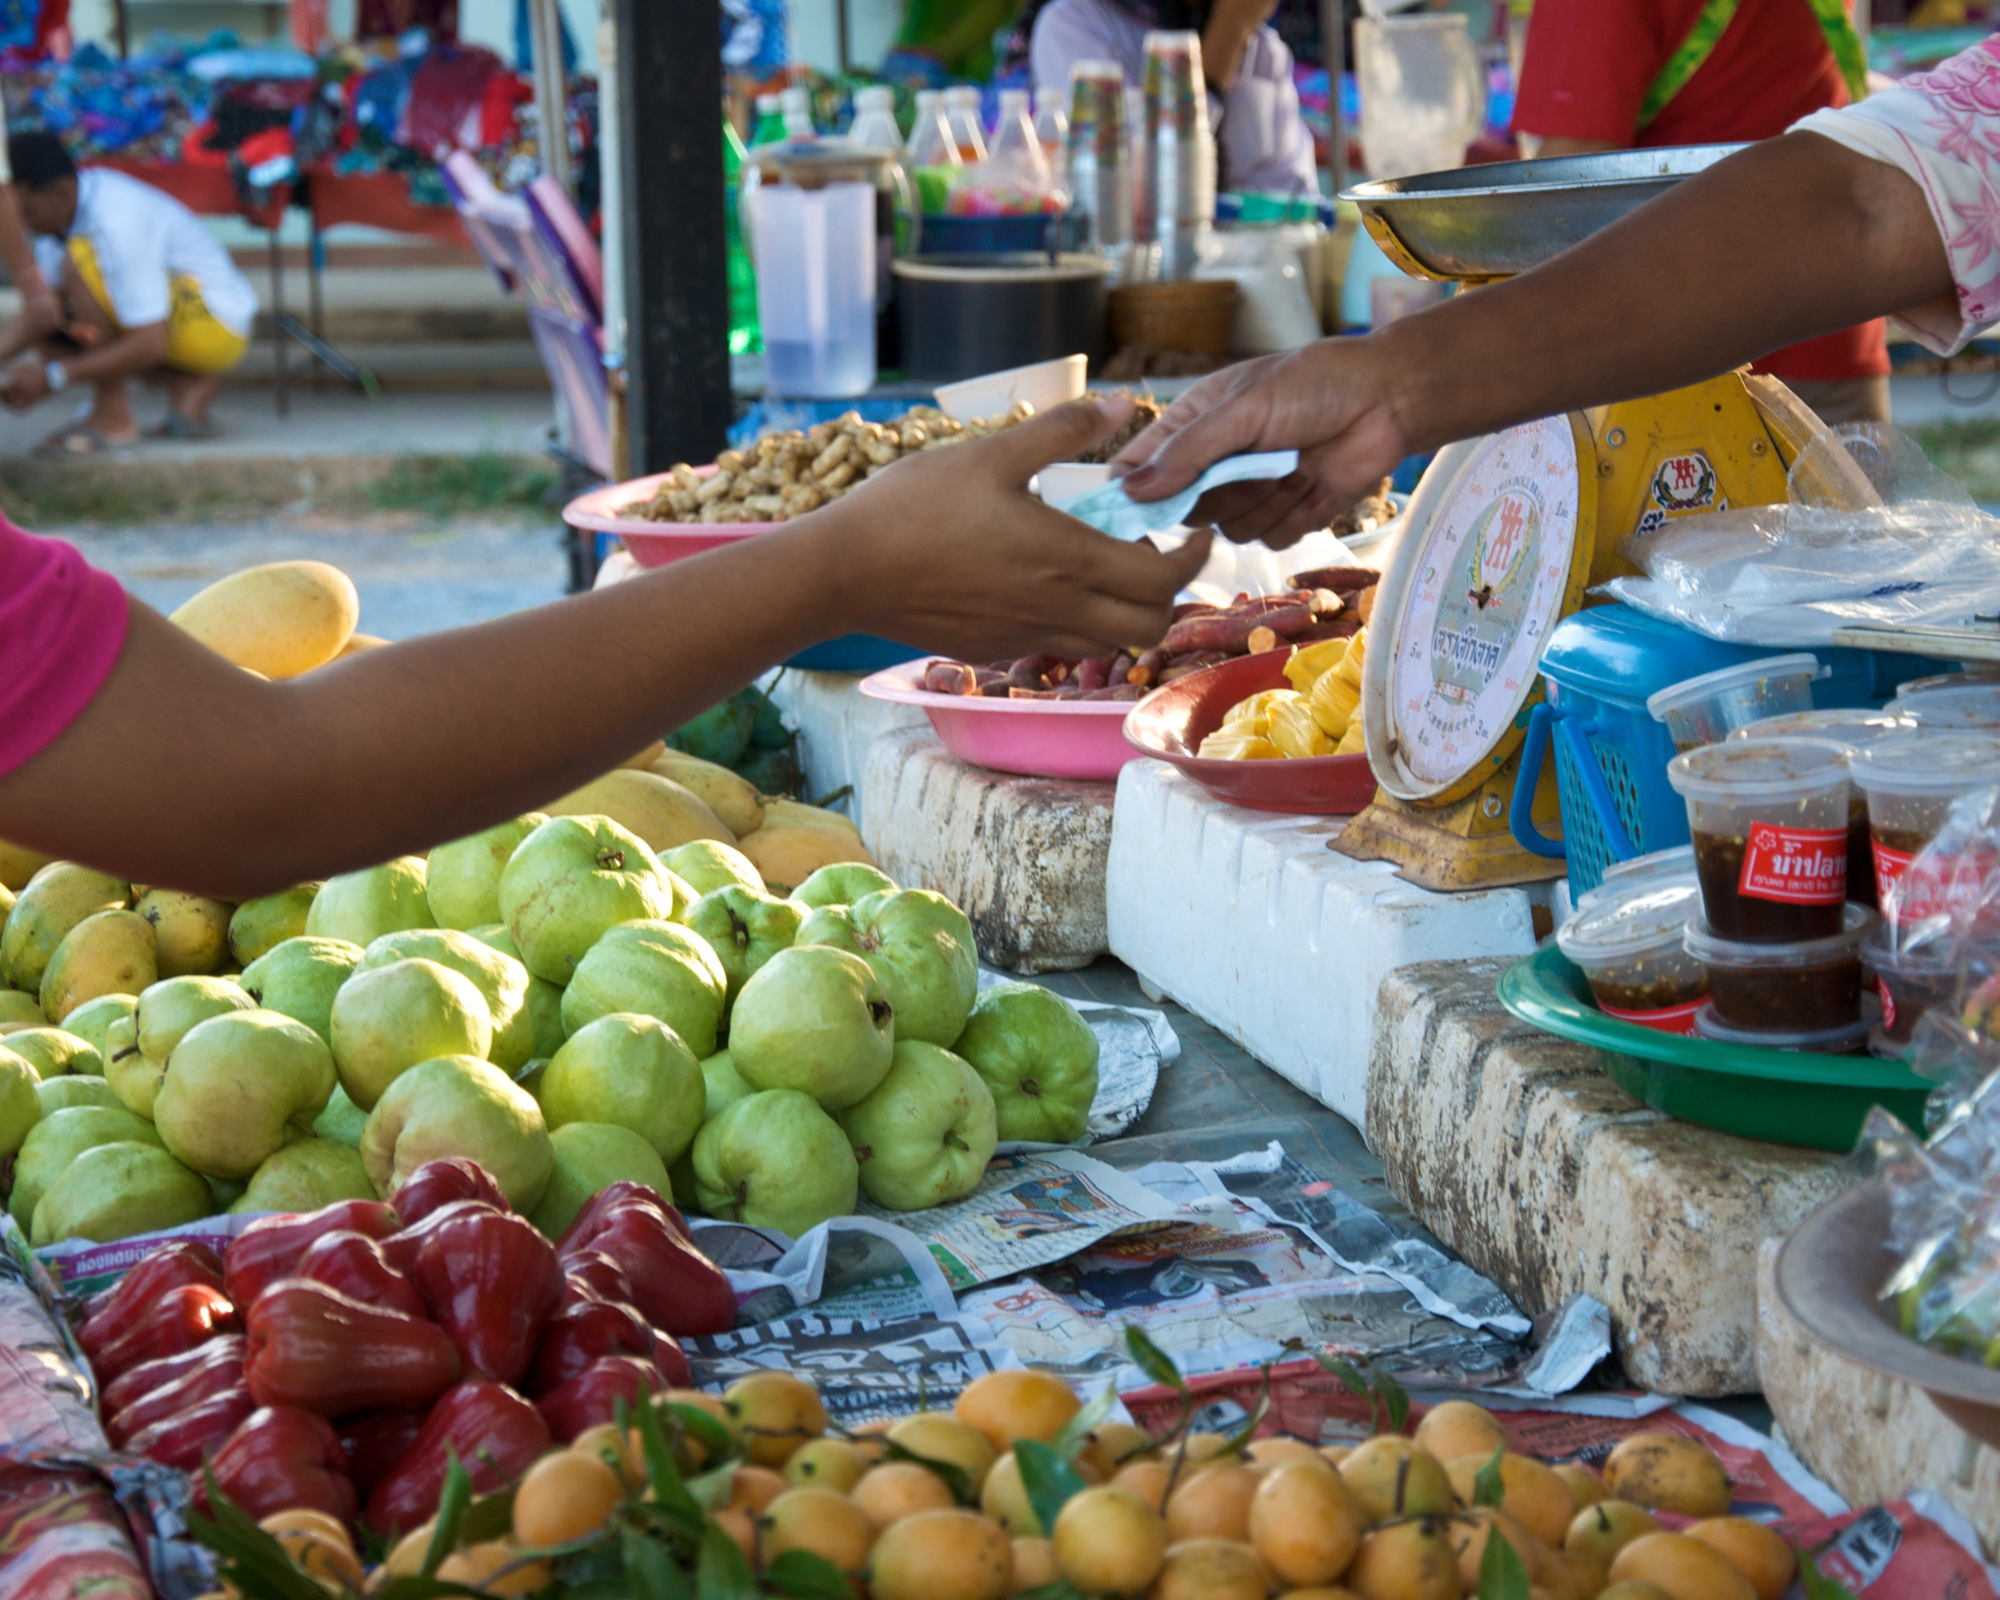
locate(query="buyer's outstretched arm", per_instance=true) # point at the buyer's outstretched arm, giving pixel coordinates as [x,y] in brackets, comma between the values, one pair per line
[186,771]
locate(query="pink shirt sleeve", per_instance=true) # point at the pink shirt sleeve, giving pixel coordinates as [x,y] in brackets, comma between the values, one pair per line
[62,624]
[1942,128]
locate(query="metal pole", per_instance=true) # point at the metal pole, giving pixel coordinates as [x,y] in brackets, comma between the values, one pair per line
[676,258]
[1333,51]
[840,25]
[551,88]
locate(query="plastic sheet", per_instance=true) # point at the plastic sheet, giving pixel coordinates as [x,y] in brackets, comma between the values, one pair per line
[1790,574]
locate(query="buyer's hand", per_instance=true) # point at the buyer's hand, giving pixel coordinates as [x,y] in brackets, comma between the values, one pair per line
[947,550]
[26,383]
[1328,401]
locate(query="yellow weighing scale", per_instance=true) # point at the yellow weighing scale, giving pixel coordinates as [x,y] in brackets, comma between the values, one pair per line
[1505,534]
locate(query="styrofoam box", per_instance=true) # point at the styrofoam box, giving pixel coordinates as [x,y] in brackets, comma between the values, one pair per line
[1251,922]
[836,726]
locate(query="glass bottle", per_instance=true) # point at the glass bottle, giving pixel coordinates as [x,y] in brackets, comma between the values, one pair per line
[744,337]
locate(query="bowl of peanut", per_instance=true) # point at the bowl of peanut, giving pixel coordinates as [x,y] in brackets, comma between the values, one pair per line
[681,512]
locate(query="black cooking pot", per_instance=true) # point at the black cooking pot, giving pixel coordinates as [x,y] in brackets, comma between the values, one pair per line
[963,315]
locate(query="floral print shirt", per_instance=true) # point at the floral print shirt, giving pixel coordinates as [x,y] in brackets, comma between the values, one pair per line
[1943,128]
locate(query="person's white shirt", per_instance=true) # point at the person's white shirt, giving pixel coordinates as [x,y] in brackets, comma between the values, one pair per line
[143,240]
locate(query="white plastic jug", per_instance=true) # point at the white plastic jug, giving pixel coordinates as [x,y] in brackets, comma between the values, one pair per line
[1423,92]
[815,253]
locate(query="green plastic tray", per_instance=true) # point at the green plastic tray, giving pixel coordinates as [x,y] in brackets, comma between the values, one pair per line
[1782,1096]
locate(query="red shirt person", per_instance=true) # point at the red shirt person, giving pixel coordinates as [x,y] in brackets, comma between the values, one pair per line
[1621,74]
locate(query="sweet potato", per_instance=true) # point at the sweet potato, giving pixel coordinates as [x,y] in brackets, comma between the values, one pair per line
[1118,691]
[1230,632]
[1341,580]
[950,677]
[1344,626]
[1031,672]
[1147,669]
[1364,603]
[1093,674]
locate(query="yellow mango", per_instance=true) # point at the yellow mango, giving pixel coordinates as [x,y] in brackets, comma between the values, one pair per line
[730,797]
[280,620]
[785,854]
[657,809]
[357,643]
[18,864]
[1307,664]
[795,813]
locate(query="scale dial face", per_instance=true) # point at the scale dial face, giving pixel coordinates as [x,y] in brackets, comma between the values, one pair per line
[1490,578]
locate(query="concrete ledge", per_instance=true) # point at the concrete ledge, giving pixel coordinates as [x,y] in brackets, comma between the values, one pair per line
[1251,922]
[1872,1438]
[1023,856]
[836,726]
[1518,1152]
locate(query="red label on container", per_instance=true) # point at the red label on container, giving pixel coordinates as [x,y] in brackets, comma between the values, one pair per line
[1799,866]
[1944,883]
[1888,1005]
[1667,1019]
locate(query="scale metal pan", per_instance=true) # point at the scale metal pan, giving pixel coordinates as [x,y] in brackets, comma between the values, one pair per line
[1475,223]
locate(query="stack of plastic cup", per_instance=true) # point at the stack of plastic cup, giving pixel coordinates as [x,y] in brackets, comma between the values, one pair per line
[1100,175]
[1180,151]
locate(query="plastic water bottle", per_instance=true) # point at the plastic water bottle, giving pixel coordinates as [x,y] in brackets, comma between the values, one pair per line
[743,333]
[932,153]
[1052,124]
[770,128]
[961,110]
[875,120]
[797,102]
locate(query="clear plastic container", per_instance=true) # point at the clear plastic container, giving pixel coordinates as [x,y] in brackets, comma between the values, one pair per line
[1910,780]
[1769,819]
[1910,980]
[1971,672]
[1052,123]
[1853,730]
[1955,708]
[931,143]
[1707,709]
[770,128]
[1784,988]
[1621,875]
[1848,1039]
[1630,946]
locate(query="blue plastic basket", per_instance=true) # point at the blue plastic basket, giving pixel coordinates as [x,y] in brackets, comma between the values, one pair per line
[1611,756]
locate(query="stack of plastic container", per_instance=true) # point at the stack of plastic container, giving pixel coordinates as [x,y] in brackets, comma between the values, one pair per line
[1179,201]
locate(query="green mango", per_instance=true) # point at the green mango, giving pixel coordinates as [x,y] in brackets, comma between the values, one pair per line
[773,772]
[720,734]
[769,731]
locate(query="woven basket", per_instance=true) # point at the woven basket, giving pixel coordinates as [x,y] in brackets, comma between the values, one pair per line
[1192,316]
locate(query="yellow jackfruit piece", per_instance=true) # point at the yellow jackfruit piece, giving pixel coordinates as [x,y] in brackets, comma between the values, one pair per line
[1351,743]
[1350,664]
[1252,715]
[1332,703]
[1233,746]
[1295,733]
[1309,663]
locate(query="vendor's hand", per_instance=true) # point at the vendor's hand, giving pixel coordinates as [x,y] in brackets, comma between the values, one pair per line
[947,550]
[1328,401]
[26,383]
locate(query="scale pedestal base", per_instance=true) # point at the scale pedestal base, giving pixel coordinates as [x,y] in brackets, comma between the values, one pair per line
[1464,844]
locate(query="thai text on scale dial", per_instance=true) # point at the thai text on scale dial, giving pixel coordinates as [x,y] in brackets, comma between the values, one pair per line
[1499,560]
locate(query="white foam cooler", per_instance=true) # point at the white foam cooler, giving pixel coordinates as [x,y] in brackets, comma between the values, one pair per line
[1251,922]
[837,724]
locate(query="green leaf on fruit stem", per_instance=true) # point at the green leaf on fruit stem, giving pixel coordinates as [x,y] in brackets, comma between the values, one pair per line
[452,1501]
[1150,1359]
[956,1478]
[1075,1434]
[1236,1442]
[1502,1573]
[702,1428]
[711,1491]
[668,1489]
[1395,1399]
[1061,1589]
[1048,1479]
[490,1516]
[650,1572]
[1489,1487]
[1817,1585]
[252,1559]
[1348,1374]
[806,1576]
[720,1571]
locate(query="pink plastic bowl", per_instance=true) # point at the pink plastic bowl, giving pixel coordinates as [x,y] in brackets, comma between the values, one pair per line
[654,544]
[1037,738]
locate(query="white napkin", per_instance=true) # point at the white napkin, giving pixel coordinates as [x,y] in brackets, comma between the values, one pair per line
[1111,510]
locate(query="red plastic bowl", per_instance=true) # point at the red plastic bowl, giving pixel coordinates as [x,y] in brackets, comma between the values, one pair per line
[654,544]
[1171,724]
[1081,739]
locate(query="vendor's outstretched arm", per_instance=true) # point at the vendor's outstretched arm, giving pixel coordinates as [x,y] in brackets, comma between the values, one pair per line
[1791,238]
[186,771]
